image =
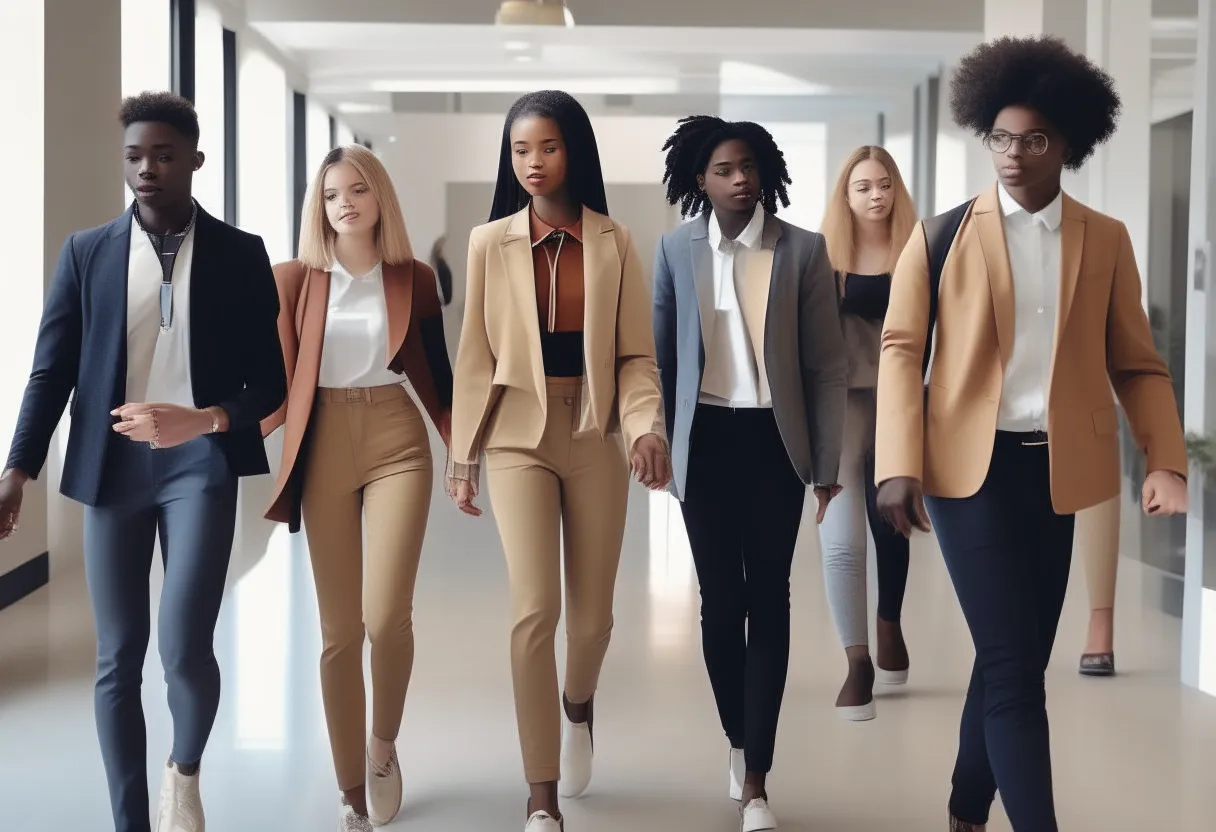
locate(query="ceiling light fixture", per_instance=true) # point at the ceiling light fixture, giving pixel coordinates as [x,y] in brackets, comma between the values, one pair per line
[533,13]
[517,46]
[627,85]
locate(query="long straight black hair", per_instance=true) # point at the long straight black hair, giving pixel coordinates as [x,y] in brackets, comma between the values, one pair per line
[584,176]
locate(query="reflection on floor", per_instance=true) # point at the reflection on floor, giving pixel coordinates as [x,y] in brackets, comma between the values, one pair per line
[1135,753]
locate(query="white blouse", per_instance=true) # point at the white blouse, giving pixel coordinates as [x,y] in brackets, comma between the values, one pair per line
[353,353]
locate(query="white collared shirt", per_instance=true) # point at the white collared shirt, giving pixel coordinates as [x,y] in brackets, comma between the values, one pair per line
[158,360]
[731,375]
[355,348]
[1033,242]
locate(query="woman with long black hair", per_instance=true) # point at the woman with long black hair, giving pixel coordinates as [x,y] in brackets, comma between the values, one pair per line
[555,382]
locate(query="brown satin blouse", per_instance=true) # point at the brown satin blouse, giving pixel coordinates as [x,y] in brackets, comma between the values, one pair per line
[557,263]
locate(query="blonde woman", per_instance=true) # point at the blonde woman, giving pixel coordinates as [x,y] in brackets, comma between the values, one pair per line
[360,316]
[867,222]
[556,383]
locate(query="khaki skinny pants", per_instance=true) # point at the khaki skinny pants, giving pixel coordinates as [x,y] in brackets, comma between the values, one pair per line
[367,493]
[576,487]
[1097,541]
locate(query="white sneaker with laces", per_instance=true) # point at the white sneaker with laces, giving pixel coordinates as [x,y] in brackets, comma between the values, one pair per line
[738,770]
[384,790]
[351,821]
[757,817]
[577,757]
[544,822]
[181,805]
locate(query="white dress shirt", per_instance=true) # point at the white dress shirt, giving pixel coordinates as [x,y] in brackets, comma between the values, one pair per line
[1033,242]
[355,348]
[731,376]
[158,361]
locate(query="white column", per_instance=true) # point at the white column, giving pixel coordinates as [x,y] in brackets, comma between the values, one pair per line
[1199,606]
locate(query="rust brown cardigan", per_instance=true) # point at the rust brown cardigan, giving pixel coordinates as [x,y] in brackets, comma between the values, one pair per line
[416,349]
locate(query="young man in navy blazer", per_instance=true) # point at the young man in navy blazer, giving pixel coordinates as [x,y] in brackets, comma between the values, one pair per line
[160,327]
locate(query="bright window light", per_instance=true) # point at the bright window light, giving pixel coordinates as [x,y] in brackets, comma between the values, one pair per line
[145,53]
[636,85]
[209,101]
[316,136]
[264,202]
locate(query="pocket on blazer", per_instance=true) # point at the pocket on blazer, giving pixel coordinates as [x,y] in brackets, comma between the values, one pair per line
[1106,421]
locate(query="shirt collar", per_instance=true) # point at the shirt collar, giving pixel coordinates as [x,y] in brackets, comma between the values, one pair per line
[539,229]
[749,237]
[1050,217]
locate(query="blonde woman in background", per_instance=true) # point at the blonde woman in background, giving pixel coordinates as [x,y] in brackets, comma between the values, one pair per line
[358,317]
[868,219]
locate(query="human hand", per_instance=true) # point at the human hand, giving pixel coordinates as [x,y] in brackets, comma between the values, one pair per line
[1164,493]
[462,493]
[824,494]
[12,489]
[651,462]
[161,425]
[901,502]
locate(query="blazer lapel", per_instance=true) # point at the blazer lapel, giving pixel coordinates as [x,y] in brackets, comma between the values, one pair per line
[112,266]
[991,230]
[310,323]
[601,290]
[758,286]
[703,278]
[516,249]
[399,303]
[1072,245]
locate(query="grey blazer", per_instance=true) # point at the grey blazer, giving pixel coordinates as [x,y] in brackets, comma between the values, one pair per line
[804,350]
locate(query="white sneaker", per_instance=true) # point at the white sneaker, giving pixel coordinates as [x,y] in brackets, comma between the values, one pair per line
[351,821]
[544,822]
[757,817]
[384,790]
[577,757]
[738,769]
[181,806]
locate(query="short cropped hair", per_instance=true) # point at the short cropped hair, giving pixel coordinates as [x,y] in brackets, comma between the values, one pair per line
[1041,73]
[162,108]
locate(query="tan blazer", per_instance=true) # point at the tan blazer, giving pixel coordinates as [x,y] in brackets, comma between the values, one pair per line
[410,297]
[499,398]
[945,438]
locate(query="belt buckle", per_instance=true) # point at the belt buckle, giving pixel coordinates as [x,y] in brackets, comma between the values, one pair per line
[1039,438]
[354,394]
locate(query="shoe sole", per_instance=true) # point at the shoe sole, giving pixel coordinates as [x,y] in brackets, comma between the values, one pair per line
[890,678]
[857,713]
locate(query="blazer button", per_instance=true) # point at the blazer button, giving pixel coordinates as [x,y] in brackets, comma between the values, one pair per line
[607,364]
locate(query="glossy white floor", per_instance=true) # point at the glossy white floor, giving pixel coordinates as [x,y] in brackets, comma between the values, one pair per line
[1134,753]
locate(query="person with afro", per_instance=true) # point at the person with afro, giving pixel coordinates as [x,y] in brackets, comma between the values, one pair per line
[1038,317]
[754,374]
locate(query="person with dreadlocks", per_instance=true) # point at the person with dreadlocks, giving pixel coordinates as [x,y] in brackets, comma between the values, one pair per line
[754,370]
[555,381]
[1038,316]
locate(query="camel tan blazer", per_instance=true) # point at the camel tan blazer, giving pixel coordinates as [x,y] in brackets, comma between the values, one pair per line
[944,437]
[499,398]
[412,302]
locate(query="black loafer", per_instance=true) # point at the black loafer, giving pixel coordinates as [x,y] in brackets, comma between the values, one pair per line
[1097,664]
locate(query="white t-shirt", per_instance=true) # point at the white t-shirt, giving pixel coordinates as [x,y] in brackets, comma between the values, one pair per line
[356,332]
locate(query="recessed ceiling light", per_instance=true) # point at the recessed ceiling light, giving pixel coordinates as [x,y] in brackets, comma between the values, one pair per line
[524,59]
[626,85]
[517,46]
[392,139]
[362,107]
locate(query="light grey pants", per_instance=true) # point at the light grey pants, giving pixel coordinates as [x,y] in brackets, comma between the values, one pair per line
[842,535]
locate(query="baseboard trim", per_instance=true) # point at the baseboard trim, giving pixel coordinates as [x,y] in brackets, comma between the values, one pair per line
[29,577]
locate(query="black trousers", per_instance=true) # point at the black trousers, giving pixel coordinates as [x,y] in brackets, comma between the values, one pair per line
[742,508]
[1008,554]
[891,552]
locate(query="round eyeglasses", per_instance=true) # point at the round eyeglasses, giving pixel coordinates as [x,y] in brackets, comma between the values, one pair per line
[1033,143]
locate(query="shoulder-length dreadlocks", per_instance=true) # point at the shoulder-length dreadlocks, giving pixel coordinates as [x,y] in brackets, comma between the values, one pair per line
[584,176]
[688,155]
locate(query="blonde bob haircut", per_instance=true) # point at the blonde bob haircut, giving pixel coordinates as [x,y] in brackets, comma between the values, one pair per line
[838,219]
[317,236]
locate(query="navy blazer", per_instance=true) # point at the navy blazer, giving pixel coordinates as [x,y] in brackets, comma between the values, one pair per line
[804,351]
[235,358]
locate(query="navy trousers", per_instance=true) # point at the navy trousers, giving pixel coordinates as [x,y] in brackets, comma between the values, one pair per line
[1008,554]
[187,496]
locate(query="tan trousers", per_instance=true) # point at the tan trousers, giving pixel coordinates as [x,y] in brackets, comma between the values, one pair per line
[1096,539]
[368,471]
[577,486]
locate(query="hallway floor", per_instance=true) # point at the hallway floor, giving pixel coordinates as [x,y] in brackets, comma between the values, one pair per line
[1132,754]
